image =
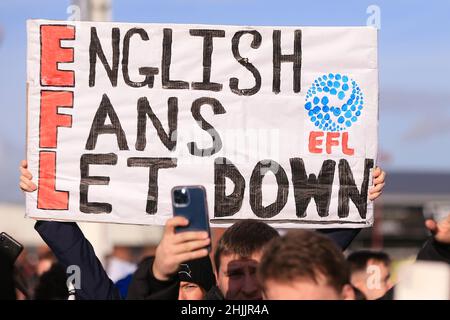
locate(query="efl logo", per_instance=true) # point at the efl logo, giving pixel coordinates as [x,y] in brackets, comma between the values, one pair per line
[334,103]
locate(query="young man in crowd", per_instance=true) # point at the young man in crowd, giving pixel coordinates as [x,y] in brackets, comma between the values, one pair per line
[304,265]
[370,273]
[236,259]
[307,265]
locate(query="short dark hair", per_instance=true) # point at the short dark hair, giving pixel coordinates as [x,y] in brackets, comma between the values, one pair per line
[304,254]
[244,238]
[358,260]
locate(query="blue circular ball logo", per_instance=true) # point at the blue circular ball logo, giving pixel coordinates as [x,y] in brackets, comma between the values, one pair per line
[334,102]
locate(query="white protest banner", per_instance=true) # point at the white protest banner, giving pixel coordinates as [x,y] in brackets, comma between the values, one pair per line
[278,123]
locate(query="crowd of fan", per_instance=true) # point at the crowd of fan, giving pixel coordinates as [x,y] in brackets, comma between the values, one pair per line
[251,261]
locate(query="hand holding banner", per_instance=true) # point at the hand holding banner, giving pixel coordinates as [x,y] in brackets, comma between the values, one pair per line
[278,123]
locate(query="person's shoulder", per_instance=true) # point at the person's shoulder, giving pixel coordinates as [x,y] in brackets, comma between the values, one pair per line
[144,267]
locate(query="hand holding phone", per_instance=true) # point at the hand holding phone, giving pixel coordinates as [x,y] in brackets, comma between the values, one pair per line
[190,202]
[177,248]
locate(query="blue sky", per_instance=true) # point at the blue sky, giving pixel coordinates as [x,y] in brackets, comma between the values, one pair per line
[414,61]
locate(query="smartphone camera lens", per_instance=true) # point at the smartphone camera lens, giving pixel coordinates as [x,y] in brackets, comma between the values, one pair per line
[181,197]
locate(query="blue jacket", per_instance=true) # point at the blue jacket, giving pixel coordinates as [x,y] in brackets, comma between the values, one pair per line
[70,247]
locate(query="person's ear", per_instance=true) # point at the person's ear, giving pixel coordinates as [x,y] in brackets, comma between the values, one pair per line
[216,274]
[348,293]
